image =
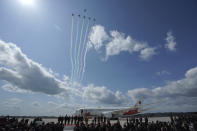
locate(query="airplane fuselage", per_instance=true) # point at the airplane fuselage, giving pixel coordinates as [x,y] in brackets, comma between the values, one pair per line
[107,112]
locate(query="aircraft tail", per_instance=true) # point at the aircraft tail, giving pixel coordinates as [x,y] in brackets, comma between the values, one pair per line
[138,104]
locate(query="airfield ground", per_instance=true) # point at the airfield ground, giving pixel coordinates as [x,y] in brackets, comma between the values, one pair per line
[122,121]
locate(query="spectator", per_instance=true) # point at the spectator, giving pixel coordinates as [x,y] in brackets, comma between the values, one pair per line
[181,123]
[12,124]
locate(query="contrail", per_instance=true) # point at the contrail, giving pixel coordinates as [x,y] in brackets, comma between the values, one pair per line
[84,60]
[71,57]
[75,51]
[82,56]
[80,46]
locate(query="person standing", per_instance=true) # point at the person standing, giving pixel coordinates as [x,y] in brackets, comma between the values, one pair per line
[75,119]
[72,119]
[104,119]
[65,119]
[68,120]
[86,120]
[95,120]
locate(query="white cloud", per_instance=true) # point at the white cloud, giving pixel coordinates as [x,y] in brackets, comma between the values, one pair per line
[163,72]
[147,53]
[120,43]
[177,104]
[36,104]
[98,36]
[117,42]
[11,106]
[183,88]
[137,45]
[170,42]
[63,108]
[27,75]
[11,88]
[103,95]
[52,103]
[13,101]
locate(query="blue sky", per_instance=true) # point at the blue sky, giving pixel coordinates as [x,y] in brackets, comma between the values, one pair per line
[139,49]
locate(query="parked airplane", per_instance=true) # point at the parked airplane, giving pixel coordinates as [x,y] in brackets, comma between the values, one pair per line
[112,112]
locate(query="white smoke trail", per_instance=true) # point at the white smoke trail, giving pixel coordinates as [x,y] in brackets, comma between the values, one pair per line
[75,51]
[78,63]
[71,40]
[84,59]
[84,45]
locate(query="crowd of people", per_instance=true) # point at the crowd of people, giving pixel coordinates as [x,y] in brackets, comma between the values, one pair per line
[13,124]
[181,123]
[70,120]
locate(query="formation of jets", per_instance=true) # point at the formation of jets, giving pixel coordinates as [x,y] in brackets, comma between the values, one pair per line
[85,10]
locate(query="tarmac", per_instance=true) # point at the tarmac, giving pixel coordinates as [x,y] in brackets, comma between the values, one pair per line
[122,121]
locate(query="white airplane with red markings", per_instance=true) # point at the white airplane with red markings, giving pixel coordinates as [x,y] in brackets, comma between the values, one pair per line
[113,112]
